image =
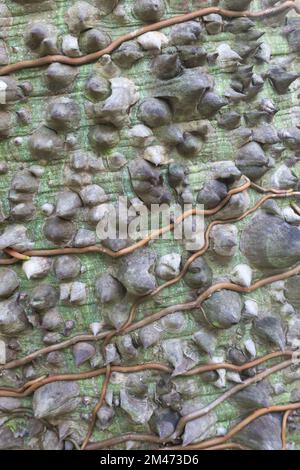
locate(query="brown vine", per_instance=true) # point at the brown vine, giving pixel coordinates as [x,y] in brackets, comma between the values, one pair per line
[156,233]
[27,390]
[240,426]
[29,387]
[229,393]
[125,251]
[54,347]
[75,61]
[154,317]
[284,427]
[127,326]
[97,407]
[215,441]
[196,255]
[208,293]
[218,443]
